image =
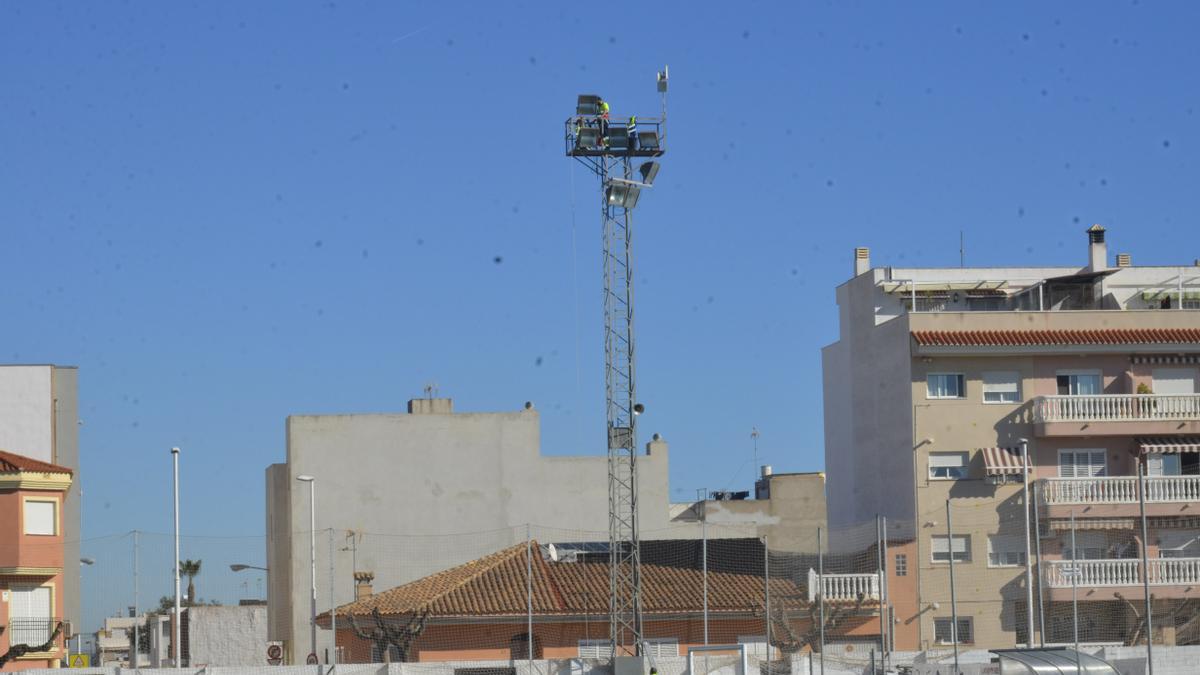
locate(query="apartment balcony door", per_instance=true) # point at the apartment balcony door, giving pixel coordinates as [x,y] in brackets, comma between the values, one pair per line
[30,615]
[1174,380]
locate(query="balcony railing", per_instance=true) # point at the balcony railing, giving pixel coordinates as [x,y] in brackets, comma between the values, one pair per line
[1124,572]
[843,587]
[1119,490]
[32,631]
[1117,408]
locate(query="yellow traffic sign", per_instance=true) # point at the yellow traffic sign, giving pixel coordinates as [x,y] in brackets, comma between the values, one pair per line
[80,660]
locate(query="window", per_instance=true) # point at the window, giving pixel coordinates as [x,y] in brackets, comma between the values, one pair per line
[947,465]
[1174,380]
[944,633]
[40,517]
[1163,464]
[662,647]
[1078,382]
[901,564]
[945,385]
[941,548]
[594,649]
[1002,387]
[1090,545]
[1005,550]
[1081,463]
[1179,544]
[29,612]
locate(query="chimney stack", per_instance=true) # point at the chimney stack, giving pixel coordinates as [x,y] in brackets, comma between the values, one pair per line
[1124,260]
[1097,249]
[362,585]
[862,260]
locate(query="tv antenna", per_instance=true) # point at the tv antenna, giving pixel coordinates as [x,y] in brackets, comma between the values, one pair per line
[609,148]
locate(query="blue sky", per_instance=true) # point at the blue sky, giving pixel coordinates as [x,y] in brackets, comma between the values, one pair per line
[225,213]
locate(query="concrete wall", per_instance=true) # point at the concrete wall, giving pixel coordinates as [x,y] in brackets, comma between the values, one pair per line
[868,413]
[789,518]
[66,453]
[429,475]
[227,636]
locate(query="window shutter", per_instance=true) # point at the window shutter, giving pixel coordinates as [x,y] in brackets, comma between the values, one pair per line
[39,517]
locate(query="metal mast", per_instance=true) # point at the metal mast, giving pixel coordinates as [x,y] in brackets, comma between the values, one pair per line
[608,148]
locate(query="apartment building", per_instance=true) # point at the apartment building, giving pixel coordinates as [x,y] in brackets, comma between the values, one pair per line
[941,376]
[32,495]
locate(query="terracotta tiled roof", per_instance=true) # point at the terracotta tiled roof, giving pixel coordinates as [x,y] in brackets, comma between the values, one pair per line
[1009,338]
[11,463]
[495,586]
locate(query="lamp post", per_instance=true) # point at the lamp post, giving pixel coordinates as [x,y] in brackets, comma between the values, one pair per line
[312,555]
[79,635]
[178,643]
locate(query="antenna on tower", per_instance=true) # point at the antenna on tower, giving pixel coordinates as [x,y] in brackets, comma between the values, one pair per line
[754,470]
[609,145]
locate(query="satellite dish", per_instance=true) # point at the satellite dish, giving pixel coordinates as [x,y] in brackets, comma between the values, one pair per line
[552,551]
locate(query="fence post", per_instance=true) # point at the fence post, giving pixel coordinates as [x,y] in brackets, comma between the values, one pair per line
[704,561]
[767,593]
[821,597]
[529,596]
[1141,467]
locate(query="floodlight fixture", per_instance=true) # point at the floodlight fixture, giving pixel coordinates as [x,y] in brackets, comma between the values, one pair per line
[588,104]
[587,137]
[662,80]
[618,138]
[638,408]
[648,170]
[648,140]
[623,195]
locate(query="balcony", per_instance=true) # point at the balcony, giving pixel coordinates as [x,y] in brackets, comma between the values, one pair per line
[1183,574]
[1117,496]
[844,587]
[1117,414]
[31,631]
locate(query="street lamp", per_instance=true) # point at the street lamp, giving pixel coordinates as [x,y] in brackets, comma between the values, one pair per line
[238,567]
[178,642]
[312,555]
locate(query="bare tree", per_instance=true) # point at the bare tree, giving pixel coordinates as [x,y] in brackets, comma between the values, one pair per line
[17,651]
[398,633]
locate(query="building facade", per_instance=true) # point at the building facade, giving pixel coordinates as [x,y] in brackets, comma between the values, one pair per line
[32,500]
[39,419]
[400,495]
[939,381]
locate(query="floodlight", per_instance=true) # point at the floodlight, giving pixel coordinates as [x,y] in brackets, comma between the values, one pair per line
[648,170]
[587,137]
[623,195]
[618,138]
[588,104]
[648,140]
[662,80]
[638,408]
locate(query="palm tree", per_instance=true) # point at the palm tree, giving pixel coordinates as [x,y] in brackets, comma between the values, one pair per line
[191,570]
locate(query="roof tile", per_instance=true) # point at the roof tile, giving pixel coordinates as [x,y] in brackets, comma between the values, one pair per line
[1010,338]
[10,462]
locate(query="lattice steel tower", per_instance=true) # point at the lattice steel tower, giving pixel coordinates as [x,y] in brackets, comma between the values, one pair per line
[609,146]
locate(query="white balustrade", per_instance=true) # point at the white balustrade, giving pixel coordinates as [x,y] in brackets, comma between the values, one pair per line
[1116,408]
[843,587]
[1119,490]
[1123,572]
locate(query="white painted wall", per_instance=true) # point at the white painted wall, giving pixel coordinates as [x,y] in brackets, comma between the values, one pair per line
[227,636]
[27,411]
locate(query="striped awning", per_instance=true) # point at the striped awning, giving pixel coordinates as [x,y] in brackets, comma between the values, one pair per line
[1064,525]
[1168,444]
[1002,461]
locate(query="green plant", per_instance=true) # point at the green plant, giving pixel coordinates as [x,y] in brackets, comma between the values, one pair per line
[1144,388]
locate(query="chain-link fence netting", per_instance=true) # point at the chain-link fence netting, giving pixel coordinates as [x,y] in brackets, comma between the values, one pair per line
[880,594]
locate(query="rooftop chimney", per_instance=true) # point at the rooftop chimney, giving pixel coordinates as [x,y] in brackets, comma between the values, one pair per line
[430,406]
[862,260]
[362,585]
[1097,249]
[1124,260]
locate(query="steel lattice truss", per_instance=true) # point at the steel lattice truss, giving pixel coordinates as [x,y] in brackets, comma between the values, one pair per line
[625,607]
